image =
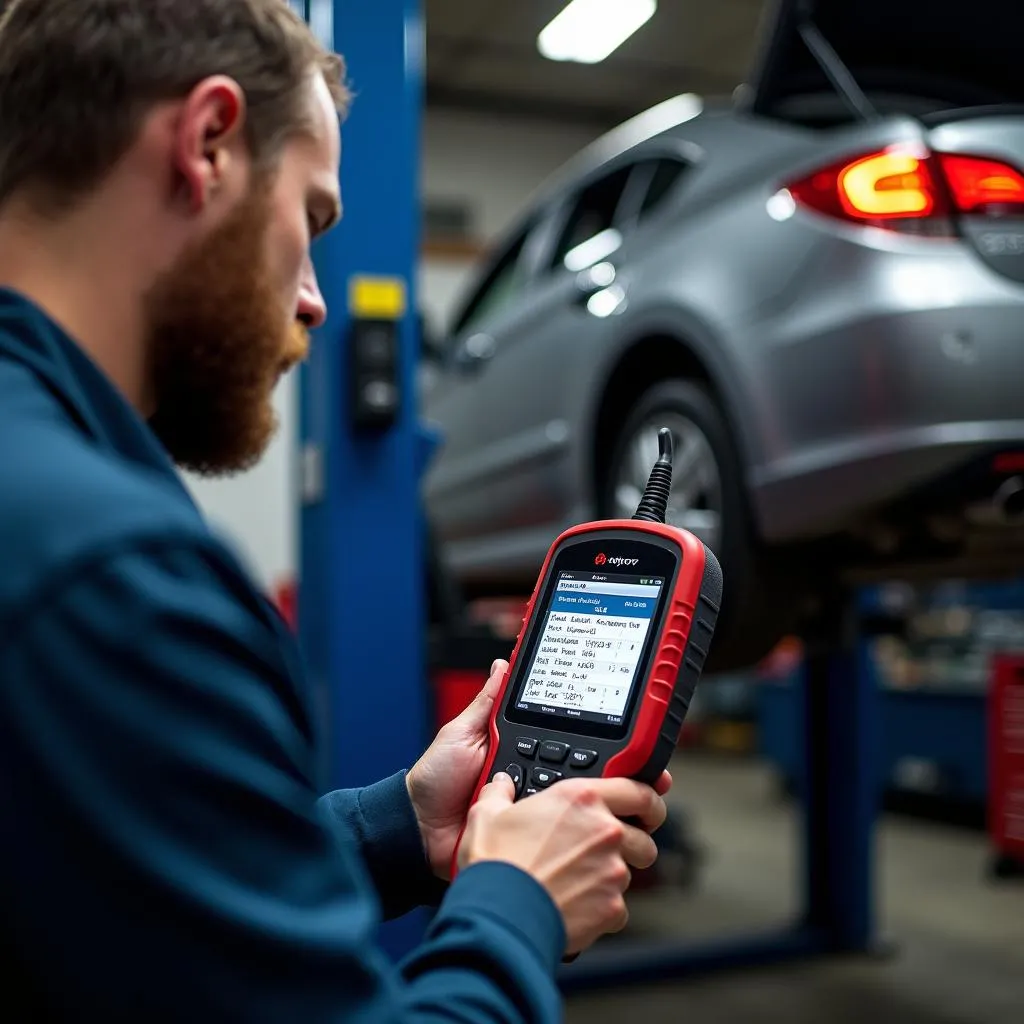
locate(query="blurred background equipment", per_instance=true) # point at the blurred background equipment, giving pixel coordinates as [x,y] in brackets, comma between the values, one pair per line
[1006,804]
[795,229]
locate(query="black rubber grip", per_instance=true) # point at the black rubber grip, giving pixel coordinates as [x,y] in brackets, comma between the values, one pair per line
[702,631]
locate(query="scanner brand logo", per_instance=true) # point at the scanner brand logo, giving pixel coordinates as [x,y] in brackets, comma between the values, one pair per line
[603,559]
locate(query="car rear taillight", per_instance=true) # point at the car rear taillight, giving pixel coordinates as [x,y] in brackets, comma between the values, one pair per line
[886,189]
[910,188]
[979,185]
[890,184]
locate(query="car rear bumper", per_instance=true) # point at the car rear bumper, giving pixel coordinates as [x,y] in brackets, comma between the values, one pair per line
[894,369]
[832,487]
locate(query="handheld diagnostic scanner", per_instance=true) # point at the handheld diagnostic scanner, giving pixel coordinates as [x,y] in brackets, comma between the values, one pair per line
[612,646]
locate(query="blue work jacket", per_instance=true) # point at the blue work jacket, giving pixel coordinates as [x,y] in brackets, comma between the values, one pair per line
[165,853]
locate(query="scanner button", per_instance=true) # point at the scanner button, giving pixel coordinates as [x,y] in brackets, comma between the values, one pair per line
[531,791]
[544,777]
[526,747]
[583,758]
[554,753]
[515,773]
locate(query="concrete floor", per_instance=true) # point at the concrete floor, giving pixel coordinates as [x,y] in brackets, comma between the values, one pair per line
[957,938]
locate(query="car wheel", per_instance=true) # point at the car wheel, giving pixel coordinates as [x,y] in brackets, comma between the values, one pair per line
[709,500]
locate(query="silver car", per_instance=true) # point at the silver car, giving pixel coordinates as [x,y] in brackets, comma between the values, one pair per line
[818,286]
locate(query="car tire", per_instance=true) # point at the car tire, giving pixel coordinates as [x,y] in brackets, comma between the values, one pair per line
[761,598]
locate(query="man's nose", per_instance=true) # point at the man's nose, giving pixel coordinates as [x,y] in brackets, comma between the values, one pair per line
[312,307]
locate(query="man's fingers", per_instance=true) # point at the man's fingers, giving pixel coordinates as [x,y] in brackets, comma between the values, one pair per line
[626,798]
[664,784]
[621,922]
[639,850]
[501,789]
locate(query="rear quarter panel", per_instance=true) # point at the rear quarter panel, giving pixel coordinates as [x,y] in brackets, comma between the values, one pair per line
[706,265]
[719,272]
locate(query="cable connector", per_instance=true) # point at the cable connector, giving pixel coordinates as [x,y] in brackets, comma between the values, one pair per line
[654,506]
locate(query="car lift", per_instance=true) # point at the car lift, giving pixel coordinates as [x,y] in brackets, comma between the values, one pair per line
[838,703]
[362,606]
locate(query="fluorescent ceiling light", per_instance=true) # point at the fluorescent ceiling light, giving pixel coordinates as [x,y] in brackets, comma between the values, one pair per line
[587,31]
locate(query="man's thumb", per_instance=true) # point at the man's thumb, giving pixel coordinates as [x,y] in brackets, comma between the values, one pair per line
[500,790]
[478,713]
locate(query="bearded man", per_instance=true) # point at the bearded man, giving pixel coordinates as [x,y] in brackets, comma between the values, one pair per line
[165,851]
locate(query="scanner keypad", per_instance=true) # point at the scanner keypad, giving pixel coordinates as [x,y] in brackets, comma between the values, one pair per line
[557,760]
[554,752]
[544,777]
[526,747]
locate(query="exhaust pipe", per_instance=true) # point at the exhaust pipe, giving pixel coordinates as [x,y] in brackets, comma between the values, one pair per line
[1008,501]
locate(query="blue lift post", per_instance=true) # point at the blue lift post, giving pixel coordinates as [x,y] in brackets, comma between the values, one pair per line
[361,604]
[838,710]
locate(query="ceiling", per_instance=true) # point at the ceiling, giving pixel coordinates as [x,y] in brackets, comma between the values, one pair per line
[482,55]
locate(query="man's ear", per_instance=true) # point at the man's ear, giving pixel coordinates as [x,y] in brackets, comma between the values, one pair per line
[209,146]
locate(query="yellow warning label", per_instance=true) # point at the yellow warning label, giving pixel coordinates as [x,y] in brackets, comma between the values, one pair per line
[377,298]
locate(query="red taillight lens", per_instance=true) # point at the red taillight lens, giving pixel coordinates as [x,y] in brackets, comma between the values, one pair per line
[890,184]
[896,184]
[1008,462]
[979,185]
[903,186]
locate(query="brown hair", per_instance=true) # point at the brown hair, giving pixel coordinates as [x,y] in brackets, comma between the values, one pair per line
[78,76]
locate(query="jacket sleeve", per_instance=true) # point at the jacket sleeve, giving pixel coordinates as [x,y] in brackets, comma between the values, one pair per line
[382,821]
[163,850]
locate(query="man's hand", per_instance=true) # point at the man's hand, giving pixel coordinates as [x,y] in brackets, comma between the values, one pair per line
[572,839]
[442,782]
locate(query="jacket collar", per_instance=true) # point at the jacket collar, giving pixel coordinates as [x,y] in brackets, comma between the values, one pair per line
[29,337]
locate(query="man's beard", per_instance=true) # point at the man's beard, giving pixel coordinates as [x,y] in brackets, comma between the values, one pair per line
[219,340]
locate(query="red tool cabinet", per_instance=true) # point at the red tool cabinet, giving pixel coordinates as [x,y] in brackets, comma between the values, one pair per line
[1006,756]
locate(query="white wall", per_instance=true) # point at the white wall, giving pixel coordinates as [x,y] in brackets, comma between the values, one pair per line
[497,163]
[494,164]
[258,510]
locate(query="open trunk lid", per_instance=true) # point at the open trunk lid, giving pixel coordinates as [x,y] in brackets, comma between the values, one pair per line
[905,56]
[956,69]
